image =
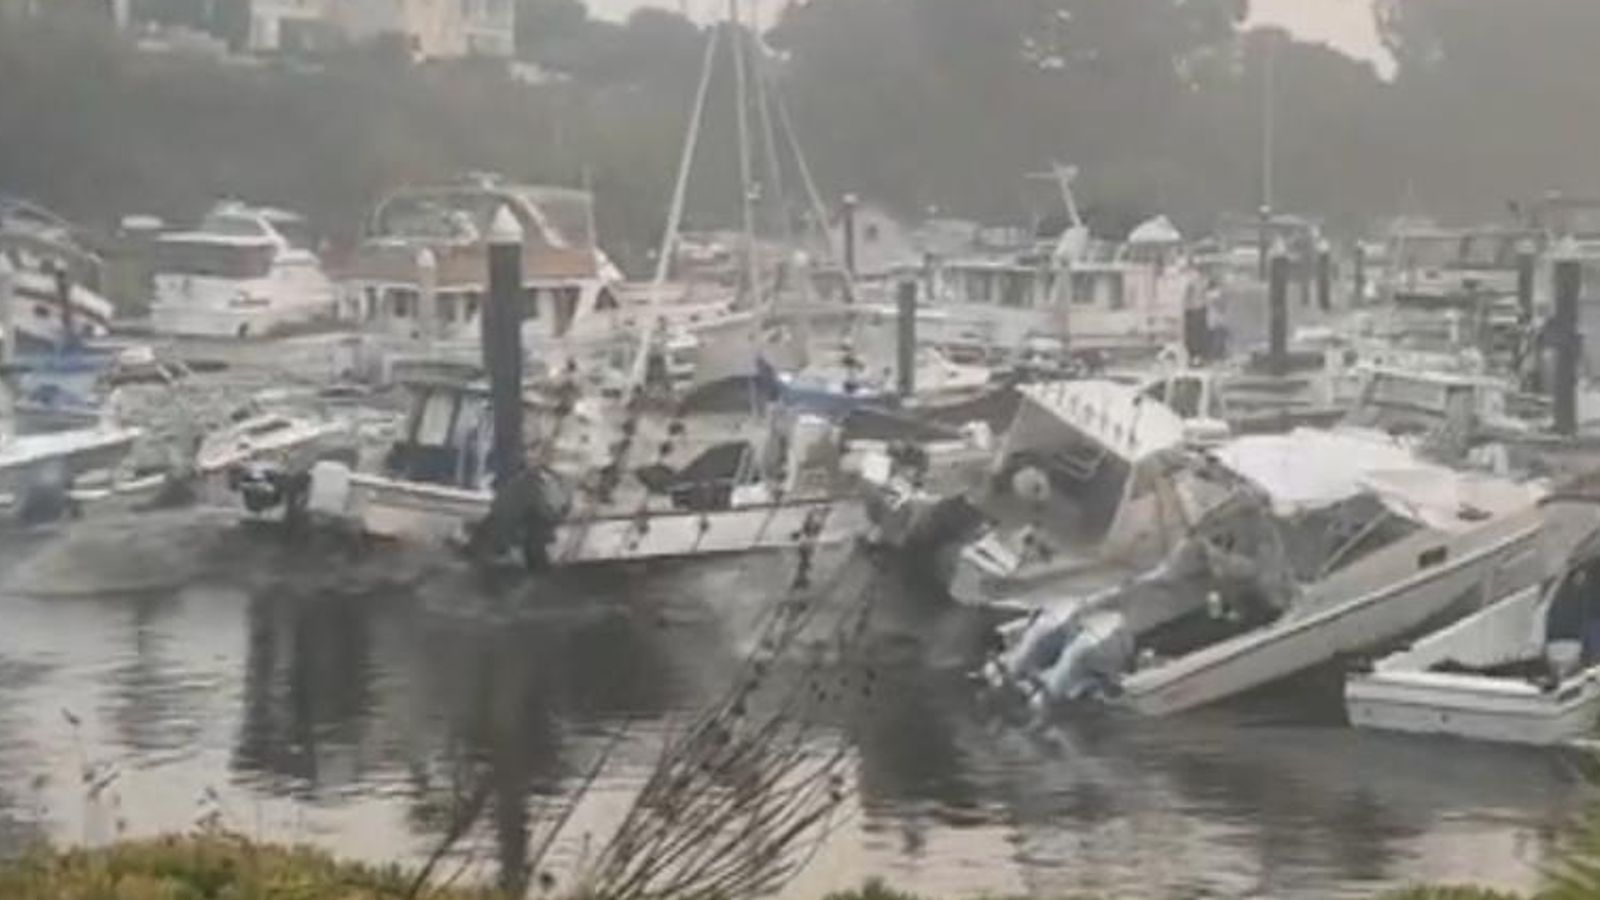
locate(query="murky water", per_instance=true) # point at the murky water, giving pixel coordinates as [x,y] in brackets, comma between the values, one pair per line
[308,694]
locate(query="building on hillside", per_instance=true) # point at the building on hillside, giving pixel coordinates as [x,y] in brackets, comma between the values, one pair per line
[428,29]
[289,26]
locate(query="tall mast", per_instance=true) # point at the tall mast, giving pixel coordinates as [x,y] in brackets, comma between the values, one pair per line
[746,187]
[669,236]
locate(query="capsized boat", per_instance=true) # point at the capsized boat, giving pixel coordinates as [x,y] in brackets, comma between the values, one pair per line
[1524,670]
[1342,543]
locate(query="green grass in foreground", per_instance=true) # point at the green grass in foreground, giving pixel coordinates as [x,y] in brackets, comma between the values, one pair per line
[224,867]
[206,868]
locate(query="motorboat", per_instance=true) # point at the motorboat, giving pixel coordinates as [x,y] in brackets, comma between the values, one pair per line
[1098,297]
[1338,542]
[54,301]
[1523,670]
[243,272]
[1080,487]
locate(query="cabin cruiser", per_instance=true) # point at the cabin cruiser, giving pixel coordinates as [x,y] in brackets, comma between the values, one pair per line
[777,487]
[40,472]
[1338,542]
[417,283]
[1524,669]
[53,301]
[1097,297]
[243,272]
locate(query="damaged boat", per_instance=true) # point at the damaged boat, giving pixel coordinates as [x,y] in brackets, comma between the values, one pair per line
[1332,543]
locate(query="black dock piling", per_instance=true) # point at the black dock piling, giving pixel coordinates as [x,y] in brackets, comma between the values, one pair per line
[1563,334]
[1324,277]
[1197,330]
[1525,276]
[501,321]
[1278,310]
[848,226]
[906,338]
[1359,264]
[64,302]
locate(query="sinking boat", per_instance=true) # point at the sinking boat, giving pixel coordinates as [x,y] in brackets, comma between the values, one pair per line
[1351,543]
[1524,670]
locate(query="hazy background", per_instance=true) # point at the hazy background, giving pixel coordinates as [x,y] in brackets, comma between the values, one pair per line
[1453,108]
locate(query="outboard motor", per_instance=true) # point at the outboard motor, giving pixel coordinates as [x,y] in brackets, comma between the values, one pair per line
[265,488]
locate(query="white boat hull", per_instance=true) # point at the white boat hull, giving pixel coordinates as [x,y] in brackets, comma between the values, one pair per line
[409,511]
[193,306]
[1475,707]
[1391,594]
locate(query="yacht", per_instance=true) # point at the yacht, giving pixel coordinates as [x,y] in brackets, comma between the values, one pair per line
[244,272]
[55,279]
[1095,296]
[417,283]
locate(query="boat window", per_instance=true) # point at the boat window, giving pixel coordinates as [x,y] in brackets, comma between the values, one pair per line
[433,421]
[1185,397]
[1156,392]
[566,306]
[1014,289]
[530,303]
[1115,291]
[447,307]
[41,312]
[232,225]
[1433,557]
[606,301]
[265,428]
[372,303]
[473,300]
[402,302]
[1083,288]
[213,260]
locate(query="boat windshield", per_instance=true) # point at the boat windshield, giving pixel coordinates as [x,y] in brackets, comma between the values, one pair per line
[214,260]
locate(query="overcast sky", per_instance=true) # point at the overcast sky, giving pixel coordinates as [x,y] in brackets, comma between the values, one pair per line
[1346,24]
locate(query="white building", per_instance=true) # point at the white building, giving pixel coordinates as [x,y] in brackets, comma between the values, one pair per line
[429,29]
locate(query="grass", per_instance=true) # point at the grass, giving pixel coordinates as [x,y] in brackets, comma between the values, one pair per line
[208,867]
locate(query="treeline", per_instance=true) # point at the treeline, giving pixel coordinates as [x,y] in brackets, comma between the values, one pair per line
[924,104]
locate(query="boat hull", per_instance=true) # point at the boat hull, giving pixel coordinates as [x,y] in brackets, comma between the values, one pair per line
[1395,593]
[1475,707]
[409,511]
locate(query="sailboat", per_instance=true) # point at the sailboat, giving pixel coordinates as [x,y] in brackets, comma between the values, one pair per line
[603,483]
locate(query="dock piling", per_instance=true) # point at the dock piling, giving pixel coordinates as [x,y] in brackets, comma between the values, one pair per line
[1564,335]
[848,226]
[501,320]
[906,337]
[1359,264]
[1278,310]
[1525,277]
[8,338]
[1324,276]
